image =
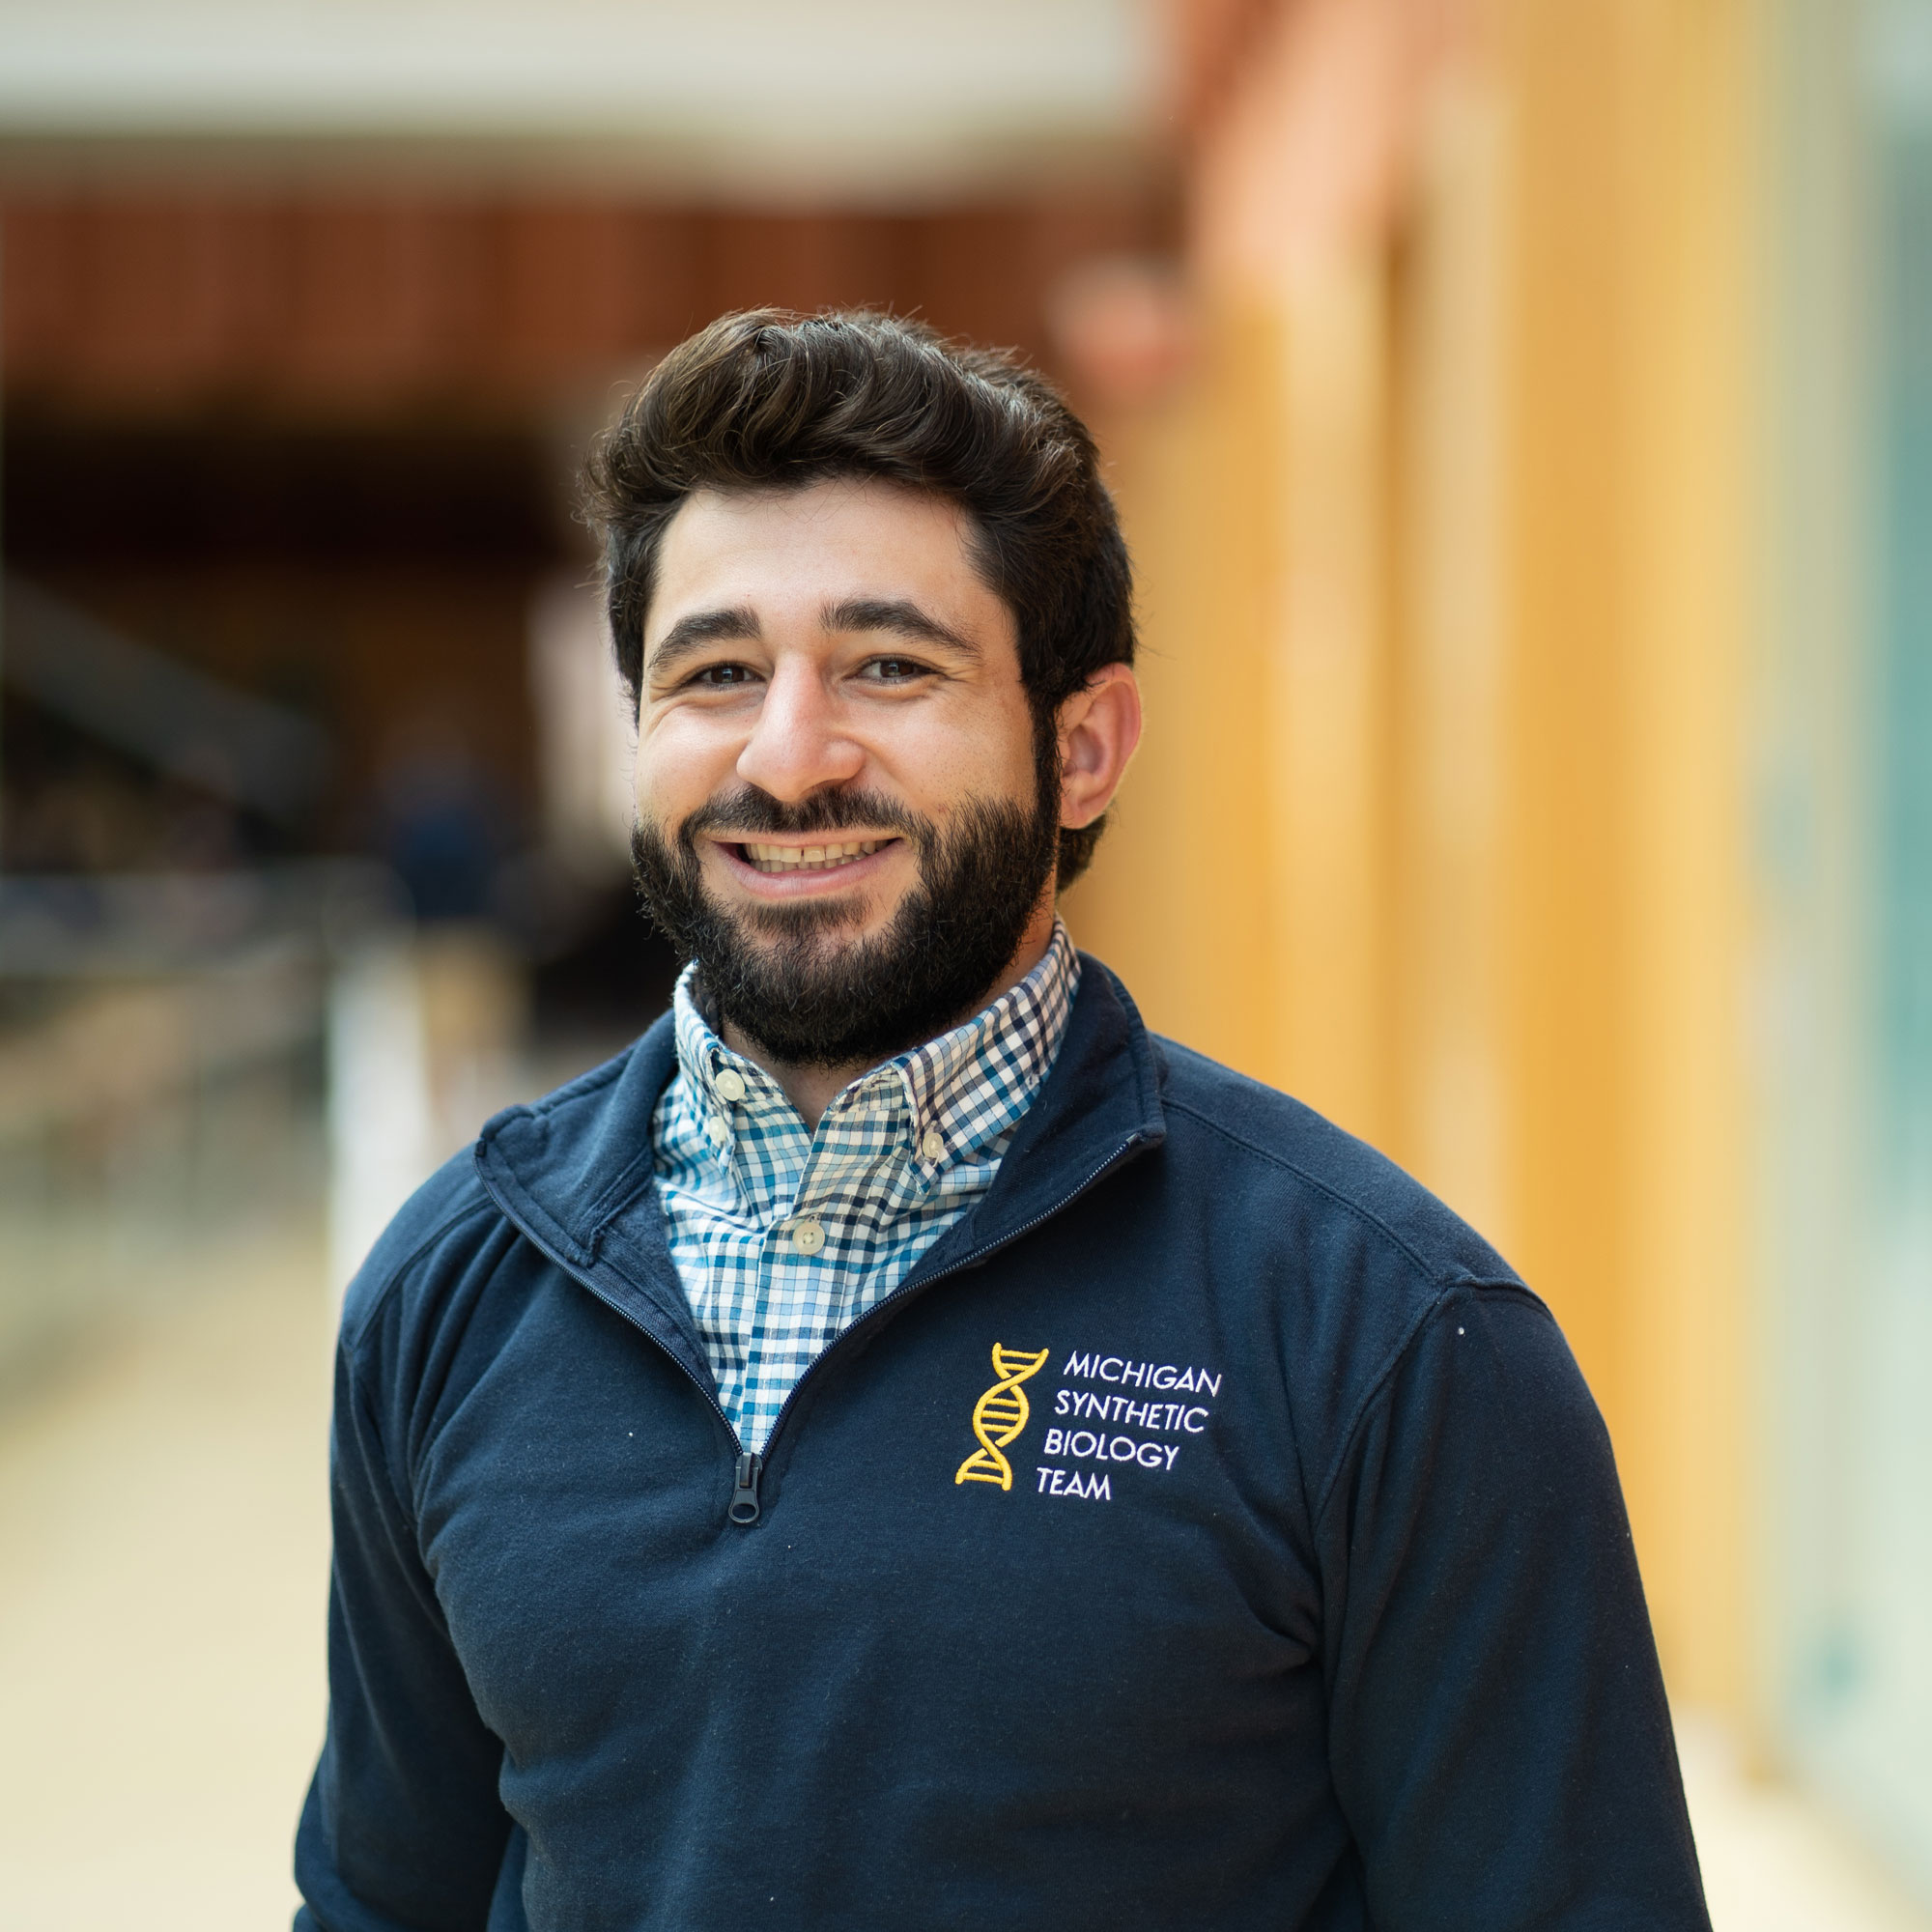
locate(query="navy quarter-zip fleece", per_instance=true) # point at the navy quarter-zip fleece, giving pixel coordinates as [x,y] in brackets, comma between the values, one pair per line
[1211,1532]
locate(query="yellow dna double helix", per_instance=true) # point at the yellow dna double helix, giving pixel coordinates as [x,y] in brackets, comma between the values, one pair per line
[999,1416]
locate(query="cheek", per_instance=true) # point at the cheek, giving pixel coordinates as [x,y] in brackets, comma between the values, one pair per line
[678,768]
[986,753]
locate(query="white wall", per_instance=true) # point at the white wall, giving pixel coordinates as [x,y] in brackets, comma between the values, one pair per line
[857,97]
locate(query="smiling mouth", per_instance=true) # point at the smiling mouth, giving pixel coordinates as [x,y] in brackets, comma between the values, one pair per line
[827,856]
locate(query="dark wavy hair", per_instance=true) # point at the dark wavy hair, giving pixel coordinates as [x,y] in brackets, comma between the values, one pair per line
[767,398]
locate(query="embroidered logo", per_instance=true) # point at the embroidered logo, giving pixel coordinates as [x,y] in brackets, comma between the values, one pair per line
[1144,1421]
[999,1416]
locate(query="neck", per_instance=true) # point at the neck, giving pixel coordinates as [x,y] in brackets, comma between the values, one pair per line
[814,1089]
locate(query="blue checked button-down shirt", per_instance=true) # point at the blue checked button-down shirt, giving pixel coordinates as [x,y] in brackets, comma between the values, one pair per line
[783,1239]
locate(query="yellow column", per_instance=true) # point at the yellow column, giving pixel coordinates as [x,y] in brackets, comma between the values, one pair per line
[1449,766]
[1180,900]
[1441,554]
[1329,734]
[1259,501]
[1688,861]
[1629,213]
[1242,889]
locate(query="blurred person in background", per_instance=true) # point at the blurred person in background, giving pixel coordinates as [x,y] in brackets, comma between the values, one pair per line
[900,1445]
[441,829]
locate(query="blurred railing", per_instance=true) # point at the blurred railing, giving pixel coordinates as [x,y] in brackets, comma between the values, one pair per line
[164,1052]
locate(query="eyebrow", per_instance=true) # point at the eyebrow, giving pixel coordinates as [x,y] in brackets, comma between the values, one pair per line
[898,616]
[692,633]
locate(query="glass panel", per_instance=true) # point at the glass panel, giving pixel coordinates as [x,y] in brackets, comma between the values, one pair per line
[1850,1252]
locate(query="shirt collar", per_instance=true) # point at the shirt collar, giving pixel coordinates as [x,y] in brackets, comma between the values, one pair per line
[960,1090]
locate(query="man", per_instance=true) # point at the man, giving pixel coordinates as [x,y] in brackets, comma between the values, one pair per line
[901,1448]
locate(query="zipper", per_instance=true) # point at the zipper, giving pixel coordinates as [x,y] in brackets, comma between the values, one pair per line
[744,1509]
[748,1469]
[583,1280]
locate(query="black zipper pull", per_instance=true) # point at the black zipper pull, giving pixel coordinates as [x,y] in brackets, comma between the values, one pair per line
[744,1509]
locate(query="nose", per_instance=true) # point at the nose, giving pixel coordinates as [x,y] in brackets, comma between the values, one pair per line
[798,744]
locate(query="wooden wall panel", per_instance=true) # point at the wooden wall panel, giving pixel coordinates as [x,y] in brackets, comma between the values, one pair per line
[128,300]
[1494,625]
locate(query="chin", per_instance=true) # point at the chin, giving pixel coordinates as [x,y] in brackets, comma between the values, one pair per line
[835,922]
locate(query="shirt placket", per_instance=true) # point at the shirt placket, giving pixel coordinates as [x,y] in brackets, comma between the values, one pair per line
[896,1159]
[843,1195]
[763,1149]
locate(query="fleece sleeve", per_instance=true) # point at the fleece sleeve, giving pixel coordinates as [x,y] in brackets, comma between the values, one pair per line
[1499,1740]
[403,1827]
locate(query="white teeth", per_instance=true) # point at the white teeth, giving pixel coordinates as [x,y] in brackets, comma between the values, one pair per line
[809,857]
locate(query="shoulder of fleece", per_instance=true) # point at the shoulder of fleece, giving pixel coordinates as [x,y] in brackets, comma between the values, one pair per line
[1282,1147]
[452,1206]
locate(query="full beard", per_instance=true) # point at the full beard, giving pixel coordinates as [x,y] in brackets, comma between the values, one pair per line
[781,974]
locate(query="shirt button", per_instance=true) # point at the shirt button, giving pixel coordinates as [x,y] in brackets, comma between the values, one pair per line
[730,1084]
[933,1146]
[717,1132]
[807,1236]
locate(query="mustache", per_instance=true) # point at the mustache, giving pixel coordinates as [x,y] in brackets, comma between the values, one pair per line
[752,811]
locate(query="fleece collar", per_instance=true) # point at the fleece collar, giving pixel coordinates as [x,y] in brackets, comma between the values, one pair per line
[573,1170]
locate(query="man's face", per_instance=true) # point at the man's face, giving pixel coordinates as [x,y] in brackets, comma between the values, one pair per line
[839,809]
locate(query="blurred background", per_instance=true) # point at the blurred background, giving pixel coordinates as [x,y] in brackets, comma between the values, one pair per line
[1523,414]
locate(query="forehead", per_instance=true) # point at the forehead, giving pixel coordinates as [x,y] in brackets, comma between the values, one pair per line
[829,541]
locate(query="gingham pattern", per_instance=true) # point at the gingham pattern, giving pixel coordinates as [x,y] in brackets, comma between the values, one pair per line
[743,1184]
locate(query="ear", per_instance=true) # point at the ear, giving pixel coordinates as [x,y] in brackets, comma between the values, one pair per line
[1099,725]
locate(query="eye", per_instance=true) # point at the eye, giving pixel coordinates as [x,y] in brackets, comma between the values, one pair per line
[894,670]
[721,676]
